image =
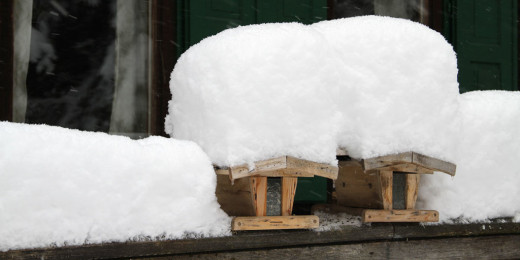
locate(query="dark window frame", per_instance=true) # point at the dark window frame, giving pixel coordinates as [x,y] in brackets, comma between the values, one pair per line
[163,60]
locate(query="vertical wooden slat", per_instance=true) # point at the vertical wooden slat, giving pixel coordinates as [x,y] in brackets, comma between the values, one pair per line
[386,179]
[6,60]
[259,195]
[412,189]
[288,191]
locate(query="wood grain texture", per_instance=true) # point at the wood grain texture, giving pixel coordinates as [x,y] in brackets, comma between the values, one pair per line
[288,190]
[495,247]
[275,222]
[386,180]
[412,190]
[420,160]
[259,195]
[405,167]
[374,215]
[434,164]
[354,188]
[235,199]
[296,239]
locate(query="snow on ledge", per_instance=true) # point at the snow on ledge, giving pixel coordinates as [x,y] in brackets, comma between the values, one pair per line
[69,187]
[373,85]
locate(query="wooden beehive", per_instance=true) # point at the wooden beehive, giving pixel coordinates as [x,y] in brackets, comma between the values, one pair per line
[243,192]
[386,187]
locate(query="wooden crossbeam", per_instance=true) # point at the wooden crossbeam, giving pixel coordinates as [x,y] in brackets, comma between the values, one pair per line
[403,215]
[410,158]
[275,222]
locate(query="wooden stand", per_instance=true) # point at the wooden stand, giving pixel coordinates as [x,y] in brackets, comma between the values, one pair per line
[387,186]
[289,169]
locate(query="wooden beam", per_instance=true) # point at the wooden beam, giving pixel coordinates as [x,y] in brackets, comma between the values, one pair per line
[386,180]
[403,215]
[387,160]
[259,195]
[288,191]
[412,190]
[405,167]
[275,222]
[285,166]
[434,164]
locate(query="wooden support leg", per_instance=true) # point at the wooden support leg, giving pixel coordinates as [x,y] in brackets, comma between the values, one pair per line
[288,191]
[412,189]
[259,194]
[386,178]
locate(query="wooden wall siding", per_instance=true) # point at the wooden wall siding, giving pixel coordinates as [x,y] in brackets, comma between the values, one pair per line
[504,238]
[6,60]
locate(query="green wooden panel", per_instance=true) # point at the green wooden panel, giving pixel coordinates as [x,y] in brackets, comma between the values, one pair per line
[485,35]
[311,190]
[303,11]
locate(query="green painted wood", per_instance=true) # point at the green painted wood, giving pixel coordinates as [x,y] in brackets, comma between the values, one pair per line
[485,38]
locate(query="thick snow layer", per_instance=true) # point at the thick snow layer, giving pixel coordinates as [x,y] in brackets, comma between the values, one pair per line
[372,85]
[487,184]
[68,187]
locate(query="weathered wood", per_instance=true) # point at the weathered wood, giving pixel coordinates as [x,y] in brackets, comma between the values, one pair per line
[285,166]
[434,164]
[259,195]
[288,190]
[412,190]
[405,167]
[413,158]
[314,168]
[494,247]
[374,215]
[275,222]
[354,188]
[301,239]
[222,171]
[235,199]
[341,151]
[386,180]
[387,160]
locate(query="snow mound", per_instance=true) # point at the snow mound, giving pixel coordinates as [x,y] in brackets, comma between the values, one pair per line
[373,85]
[488,166]
[68,187]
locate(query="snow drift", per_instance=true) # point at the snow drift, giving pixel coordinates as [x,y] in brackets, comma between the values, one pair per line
[373,85]
[68,187]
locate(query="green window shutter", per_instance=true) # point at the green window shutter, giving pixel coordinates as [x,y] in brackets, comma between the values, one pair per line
[485,36]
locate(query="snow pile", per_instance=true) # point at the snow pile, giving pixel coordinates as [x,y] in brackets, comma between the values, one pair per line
[373,85]
[68,187]
[487,184]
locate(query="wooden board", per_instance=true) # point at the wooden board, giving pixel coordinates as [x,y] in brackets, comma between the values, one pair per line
[404,167]
[235,199]
[284,166]
[288,190]
[259,195]
[412,190]
[494,247]
[354,188]
[275,222]
[374,215]
[386,179]
[413,158]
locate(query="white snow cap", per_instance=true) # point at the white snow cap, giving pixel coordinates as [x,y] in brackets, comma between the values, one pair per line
[69,187]
[373,85]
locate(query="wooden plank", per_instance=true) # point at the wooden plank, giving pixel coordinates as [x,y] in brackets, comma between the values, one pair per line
[301,239]
[235,199]
[222,171]
[412,189]
[386,160]
[354,188]
[259,195]
[386,180]
[405,167]
[434,164]
[288,191]
[275,222]
[314,168]
[406,215]
[492,247]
